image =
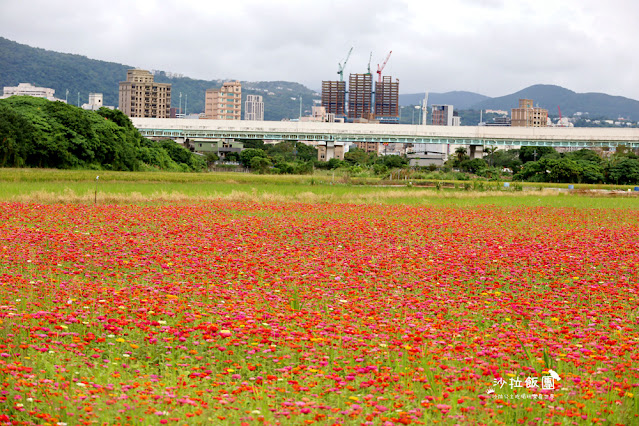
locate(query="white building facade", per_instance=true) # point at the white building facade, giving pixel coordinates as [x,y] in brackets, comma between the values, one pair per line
[27,89]
[254,108]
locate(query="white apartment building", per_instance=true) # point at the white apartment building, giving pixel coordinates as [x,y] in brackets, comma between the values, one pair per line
[254,108]
[27,89]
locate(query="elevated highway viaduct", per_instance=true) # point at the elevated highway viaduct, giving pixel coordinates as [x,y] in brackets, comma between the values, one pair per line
[181,130]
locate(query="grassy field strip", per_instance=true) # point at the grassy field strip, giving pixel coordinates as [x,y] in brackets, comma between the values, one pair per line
[319,177]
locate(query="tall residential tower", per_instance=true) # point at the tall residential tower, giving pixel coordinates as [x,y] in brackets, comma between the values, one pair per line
[140,96]
[224,103]
[529,116]
[254,108]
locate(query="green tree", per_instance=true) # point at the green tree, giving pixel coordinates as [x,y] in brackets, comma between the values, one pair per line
[232,156]
[334,163]
[507,159]
[591,173]
[625,171]
[461,154]
[211,158]
[247,155]
[534,153]
[260,163]
[584,155]
[563,170]
[253,143]
[473,166]
[490,152]
[359,156]
[532,171]
[15,134]
[394,161]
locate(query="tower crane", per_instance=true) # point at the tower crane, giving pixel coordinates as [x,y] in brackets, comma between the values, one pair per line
[342,66]
[369,62]
[380,69]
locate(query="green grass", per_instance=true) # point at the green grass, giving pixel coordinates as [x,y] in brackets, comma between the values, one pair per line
[124,187]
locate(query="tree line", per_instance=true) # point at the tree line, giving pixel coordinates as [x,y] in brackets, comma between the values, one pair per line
[545,164]
[35,132]
[292,157]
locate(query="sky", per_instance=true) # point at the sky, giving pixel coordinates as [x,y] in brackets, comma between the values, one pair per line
[492,47]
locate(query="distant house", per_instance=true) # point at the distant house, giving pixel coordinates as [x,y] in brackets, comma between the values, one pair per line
[95,102]
[221,147]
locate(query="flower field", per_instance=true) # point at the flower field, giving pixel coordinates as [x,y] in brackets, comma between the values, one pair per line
[297,313]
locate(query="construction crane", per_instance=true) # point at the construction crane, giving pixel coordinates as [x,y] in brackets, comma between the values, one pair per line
[380,69]
[369,62]
[342,66]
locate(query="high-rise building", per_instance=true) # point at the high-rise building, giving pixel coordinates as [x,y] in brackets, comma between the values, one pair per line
[442,115]
[456,119]
[360,96]
[254,108]
[528,115]
[334,97]
[386,101]
[224,103]
[140,96]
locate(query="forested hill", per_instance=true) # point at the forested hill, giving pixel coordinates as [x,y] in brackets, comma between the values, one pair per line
[35,132]
[553,97]
[20,63]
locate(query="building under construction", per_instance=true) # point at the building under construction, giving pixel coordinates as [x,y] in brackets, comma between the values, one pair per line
[334,97]
[360,106]
[387,101]
[360,96]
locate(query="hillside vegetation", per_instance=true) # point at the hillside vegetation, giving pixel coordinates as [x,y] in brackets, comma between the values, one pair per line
[35,132]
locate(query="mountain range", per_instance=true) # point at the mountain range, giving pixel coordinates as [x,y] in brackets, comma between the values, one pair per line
[80,75]
[550,97]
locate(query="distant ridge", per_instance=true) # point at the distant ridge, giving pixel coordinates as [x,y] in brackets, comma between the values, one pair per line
[551,96]
[545,95]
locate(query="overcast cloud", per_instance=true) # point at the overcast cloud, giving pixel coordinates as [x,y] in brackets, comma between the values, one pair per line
[493,47]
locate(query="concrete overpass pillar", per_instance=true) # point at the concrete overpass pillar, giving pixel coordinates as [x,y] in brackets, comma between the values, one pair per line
[476,151]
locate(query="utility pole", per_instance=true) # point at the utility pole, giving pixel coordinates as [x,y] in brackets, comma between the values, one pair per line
[78,98]
[186,101]
[180,103]
[300,107]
